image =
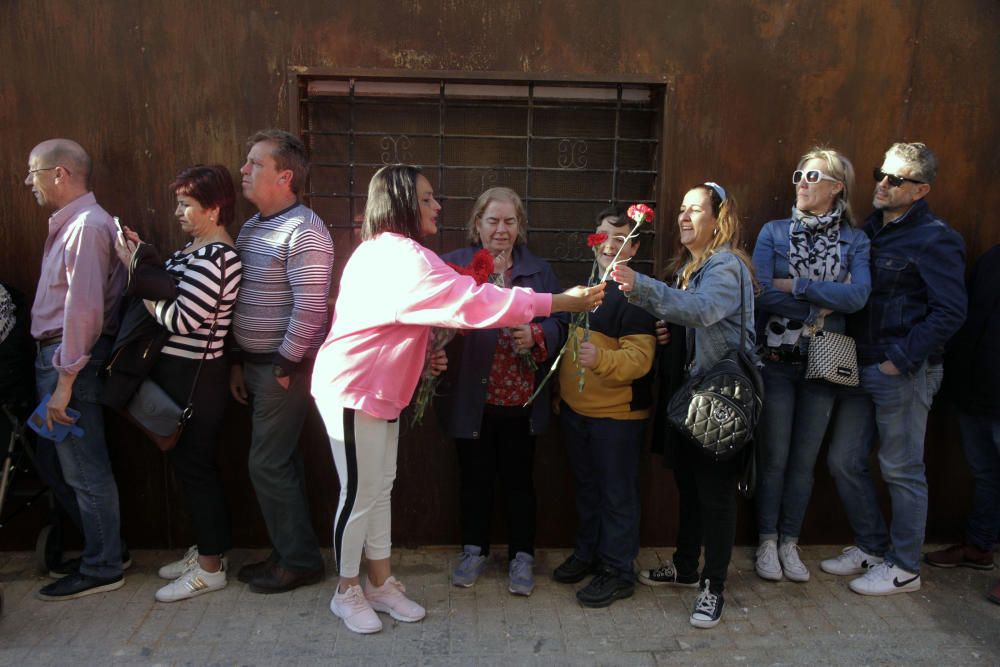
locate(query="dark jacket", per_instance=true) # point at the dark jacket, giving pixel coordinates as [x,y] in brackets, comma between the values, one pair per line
[462,391]
[972,377]
[918,297]
[140,337]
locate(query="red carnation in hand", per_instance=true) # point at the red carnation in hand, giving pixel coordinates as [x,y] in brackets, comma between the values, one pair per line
[641,213]
[594,240]
[479,269]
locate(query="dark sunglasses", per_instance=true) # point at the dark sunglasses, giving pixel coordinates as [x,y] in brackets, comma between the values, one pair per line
[894,181]
[811,176]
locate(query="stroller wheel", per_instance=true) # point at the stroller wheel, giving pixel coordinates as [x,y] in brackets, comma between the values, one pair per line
[41,550]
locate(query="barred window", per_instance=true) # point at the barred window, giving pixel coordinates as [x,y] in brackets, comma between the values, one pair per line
[568,148]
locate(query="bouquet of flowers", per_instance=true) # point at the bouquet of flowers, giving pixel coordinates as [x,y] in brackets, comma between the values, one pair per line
[479,269]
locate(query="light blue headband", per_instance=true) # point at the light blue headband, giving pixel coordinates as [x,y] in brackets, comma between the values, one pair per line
[719,190]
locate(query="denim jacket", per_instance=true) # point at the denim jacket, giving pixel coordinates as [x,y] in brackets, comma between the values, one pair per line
[918,296]
[709,307]
[808,297]
[462,391]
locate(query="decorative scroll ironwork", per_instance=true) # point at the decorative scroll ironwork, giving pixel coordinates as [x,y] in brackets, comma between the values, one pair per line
[489,180]
[572,154]
[395,150]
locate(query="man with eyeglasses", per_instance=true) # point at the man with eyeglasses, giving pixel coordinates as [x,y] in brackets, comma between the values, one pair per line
[917,304]
[73,319]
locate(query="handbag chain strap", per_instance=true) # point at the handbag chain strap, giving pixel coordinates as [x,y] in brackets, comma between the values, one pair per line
[186,414]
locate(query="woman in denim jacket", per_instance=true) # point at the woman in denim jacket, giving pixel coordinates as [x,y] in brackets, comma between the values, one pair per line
[706,301]
[813,268]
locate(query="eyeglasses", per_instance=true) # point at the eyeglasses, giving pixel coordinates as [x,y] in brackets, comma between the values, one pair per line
[894,181]
[811,176]
[35,171]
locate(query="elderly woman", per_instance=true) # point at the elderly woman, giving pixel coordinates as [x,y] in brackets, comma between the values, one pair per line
[393,291]
[492,373]
[707,301]
[205,198]
[813,269]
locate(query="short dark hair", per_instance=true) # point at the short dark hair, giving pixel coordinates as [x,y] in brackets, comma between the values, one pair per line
[393,205]
[614,211]
[289,153]
[210,185]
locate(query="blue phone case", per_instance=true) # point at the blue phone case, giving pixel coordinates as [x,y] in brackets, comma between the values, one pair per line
[59,431]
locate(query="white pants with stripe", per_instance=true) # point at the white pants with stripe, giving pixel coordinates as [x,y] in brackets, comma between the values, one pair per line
[364,452]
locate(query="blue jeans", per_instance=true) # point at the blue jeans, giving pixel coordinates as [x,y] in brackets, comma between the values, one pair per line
[604,455]
[276,467]
[893,407]
[796,415]
[981,442]
[85,465]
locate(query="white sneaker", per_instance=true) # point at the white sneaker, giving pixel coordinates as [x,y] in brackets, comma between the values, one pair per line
[851,561]
[791,564]
[390,598]
[766,563]
[886,579]
[192,583]
[189,560]
[358,615]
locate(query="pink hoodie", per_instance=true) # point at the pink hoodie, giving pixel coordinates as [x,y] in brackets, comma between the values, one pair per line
[393,289]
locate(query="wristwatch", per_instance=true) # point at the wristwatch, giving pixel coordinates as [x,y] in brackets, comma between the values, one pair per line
[279,371]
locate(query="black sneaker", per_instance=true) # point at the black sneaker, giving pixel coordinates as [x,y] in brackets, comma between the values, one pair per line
[605,588]
[573,570]
[707,610]
[667,575]
[78,585]
[72,565]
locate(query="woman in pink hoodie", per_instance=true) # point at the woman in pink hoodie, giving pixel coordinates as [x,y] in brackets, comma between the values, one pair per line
[392,291]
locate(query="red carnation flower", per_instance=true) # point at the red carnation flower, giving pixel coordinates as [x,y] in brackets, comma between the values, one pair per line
[641,213]
[594,240]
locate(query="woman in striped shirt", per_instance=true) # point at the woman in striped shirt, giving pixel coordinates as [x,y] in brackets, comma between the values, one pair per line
[208,272]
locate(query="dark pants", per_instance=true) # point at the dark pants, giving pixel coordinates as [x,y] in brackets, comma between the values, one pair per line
[604,455]
[276,466]
[506,448]
[195,458]
[707,514]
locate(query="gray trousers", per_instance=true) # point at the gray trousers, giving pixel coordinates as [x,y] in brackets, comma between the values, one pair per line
[276,467]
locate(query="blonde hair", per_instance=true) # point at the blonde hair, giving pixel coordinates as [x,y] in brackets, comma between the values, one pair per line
[838,167]
[729,231]
[487,198]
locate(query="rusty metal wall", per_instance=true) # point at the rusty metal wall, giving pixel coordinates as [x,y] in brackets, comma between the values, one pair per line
[151,87]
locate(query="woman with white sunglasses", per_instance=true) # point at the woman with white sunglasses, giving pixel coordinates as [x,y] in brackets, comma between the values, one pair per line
[813,269]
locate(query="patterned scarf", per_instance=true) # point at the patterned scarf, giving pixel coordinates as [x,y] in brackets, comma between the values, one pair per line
[7,314]
[814,253]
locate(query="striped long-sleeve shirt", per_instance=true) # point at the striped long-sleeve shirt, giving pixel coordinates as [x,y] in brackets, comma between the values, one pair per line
[189,317]
[281,312]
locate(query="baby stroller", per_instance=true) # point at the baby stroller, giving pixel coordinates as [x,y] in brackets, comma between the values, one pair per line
[20,487]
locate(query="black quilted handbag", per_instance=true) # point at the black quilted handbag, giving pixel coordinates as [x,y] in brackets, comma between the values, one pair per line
[718,411]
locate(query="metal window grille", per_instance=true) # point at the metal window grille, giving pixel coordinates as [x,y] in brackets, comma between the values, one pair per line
[569,149]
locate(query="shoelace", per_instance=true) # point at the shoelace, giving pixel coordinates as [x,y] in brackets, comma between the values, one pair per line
[355,597]
[396,584]
[707,602]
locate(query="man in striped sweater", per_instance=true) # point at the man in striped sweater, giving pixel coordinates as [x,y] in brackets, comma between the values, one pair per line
[279,323]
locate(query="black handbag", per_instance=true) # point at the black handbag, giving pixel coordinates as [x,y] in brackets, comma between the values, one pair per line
[718,411]
[153,411]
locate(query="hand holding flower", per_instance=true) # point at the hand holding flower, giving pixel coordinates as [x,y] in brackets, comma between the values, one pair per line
[624,276]
[439,362]
[523,339]
[578,299]
[586,356]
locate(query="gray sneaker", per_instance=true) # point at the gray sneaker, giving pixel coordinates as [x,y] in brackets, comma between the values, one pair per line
[767,564]
[791,564]
[522,575]
[471,564]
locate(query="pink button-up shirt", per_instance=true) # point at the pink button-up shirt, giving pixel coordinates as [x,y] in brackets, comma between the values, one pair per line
[80,284]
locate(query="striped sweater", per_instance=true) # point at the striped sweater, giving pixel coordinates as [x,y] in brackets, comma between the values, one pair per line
[281,313]
[189,317]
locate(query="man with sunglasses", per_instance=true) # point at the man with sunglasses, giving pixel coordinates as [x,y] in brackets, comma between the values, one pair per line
[73,319]
[917,303]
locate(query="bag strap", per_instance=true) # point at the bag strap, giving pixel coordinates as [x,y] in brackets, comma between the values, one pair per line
[186,414]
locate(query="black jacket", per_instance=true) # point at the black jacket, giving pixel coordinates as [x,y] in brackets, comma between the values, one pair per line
[972,367]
